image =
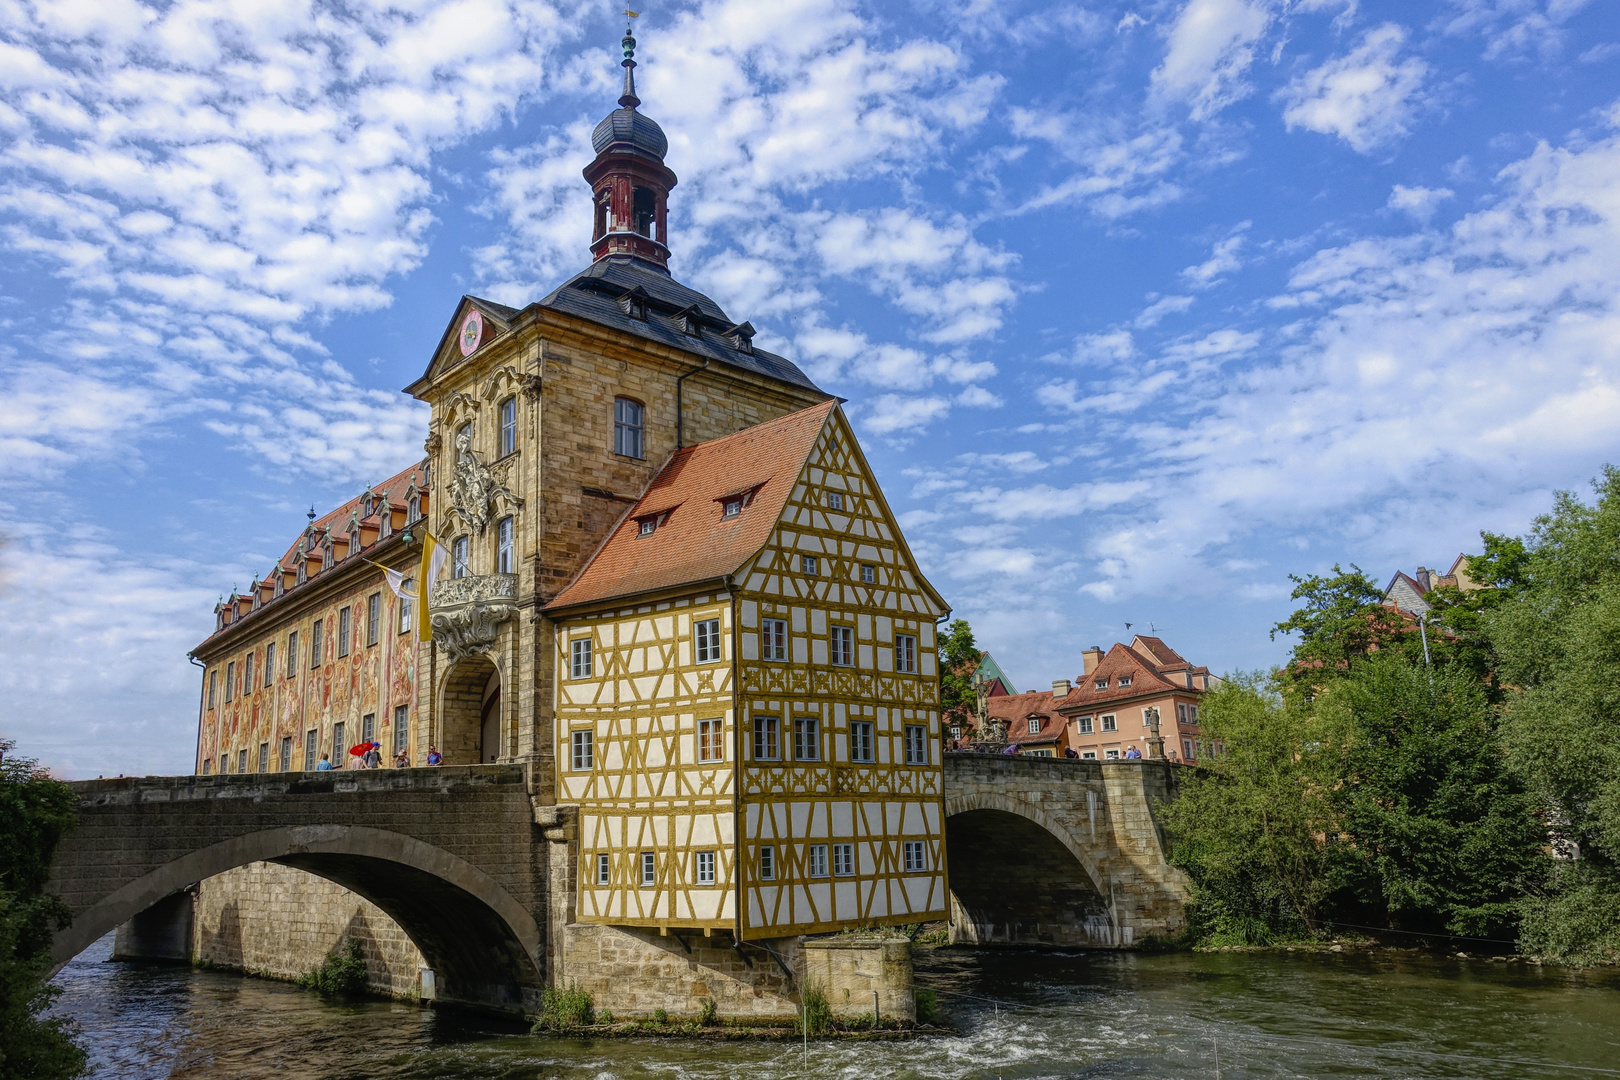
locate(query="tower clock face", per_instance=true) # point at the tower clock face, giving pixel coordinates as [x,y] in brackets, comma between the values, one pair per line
[472,329]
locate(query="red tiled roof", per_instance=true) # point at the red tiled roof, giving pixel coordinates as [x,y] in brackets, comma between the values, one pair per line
[695,542]
[1145,676]
[391,491]
[1016,709]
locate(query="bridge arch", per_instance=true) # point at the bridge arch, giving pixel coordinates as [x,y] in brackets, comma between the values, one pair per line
[485,948]
[1022,876]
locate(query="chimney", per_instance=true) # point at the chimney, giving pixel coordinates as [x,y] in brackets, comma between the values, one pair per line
[1423,579]
[1093,656]
[1060,688]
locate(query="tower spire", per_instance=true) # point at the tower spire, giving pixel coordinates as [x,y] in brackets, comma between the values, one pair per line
[628,99]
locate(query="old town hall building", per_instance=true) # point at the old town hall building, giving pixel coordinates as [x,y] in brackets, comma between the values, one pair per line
[673,584]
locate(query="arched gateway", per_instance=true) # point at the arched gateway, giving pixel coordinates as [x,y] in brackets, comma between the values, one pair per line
[417,844]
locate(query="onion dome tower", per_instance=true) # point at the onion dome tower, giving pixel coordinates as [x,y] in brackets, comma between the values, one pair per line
[629,181]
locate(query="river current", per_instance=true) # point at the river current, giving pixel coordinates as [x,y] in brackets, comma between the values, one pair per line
[1019,1015]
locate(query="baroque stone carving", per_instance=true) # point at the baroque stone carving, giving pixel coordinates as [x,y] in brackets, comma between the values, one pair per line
[531,384]
[466,611]
[474,489]
[433,444]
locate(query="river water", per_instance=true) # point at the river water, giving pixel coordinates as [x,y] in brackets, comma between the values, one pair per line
[1020,1015]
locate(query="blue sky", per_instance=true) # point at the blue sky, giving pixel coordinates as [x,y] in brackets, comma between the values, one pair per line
[1139,306]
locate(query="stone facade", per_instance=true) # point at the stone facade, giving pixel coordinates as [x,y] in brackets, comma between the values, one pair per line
[862,977]
[275,920]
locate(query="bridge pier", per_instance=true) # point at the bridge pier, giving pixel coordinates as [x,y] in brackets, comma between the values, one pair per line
[163,931]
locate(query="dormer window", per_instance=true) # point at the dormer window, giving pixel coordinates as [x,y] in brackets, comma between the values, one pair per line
[326,555]
[280,579]
[1101,684]
[354,540]
[634,303]
[690,322]
[303,570]
[413,509]
[648,526]
[742,338]
[733,506]
[1034,725]
[1124,680]
[385,522]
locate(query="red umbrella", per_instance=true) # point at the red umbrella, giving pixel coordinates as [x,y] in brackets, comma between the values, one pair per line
[359,748]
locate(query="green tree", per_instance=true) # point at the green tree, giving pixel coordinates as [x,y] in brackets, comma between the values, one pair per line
[959,659]
[1435,832]
[1250,829]
[1557,648]
[1343,619]
[35,811]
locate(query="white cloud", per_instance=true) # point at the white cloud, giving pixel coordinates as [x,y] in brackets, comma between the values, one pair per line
[1366,97]
[1515,28]
[1223,259]
[1210,48]
[891,413]
[1420,202]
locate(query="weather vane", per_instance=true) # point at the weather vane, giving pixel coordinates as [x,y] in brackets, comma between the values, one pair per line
[632,14]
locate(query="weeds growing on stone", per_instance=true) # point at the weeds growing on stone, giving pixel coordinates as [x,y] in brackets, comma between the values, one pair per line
[341,974]
[564,1009]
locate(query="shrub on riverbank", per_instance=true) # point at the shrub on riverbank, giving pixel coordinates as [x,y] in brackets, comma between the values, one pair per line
[36,810]
[341,974]
[565,1009]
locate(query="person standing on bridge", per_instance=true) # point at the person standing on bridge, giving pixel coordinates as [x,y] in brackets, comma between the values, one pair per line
[402,760]
[434,757]
[372,759]
[1133,754]
[325,763]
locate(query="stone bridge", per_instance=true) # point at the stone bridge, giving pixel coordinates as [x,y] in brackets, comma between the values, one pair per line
[1039,851]
[1054,851]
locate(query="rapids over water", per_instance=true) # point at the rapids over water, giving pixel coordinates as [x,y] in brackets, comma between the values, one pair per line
[1019,1015]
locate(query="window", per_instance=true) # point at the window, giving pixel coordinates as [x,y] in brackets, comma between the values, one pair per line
[326,555]
[315,642]
[860,740]
[579,658]
[1124,680]
[773,639]
[508,426]
[732,506]
[705,868]
[264,757]
[343,633]
[917,743]
[373,618]
[1181,711]
[312,746]
[503,546]
[269,663]
[1113,755]
[956,731]
[1150,716]
[809,564]
[648,526]
[868,574]
[1084,724]
[230,680]
[413,509]
[649,868]
[1101,684]
[916,857]
[402,728]
[1088,755]
[213,686]
[340,746]
[1034,725]
[292,655]
[843,645]
[706,638]
[354,542]
[1108,723]
[843,860]
[458,557]
[626,427]
[208,765]
[905,653]
[368,727]
[603,869]
[582,745]
[247,675]
[1187,750]
[241,761]
[835,500]
[806,741]
[286,753]
[767,857]
[818,860]
[1192,714]
[766,733]
[710,747]
[405,606]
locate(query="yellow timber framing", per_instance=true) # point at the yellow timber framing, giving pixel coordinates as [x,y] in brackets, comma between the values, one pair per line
[647,689]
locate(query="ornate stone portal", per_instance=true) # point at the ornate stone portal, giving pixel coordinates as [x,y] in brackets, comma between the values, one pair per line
[467,610]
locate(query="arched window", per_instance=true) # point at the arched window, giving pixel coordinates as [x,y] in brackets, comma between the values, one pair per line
[645,210]
[413,509]
[385,521]
[458,558]
[464,429]
[354,540]
[508,426]
[503,546]
[627,427]
[326,555]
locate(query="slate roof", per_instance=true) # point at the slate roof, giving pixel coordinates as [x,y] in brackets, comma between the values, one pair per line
[695,542]
[594,294]
[629,129]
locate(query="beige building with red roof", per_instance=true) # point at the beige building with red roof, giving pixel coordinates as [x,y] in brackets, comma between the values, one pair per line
[1112,708]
